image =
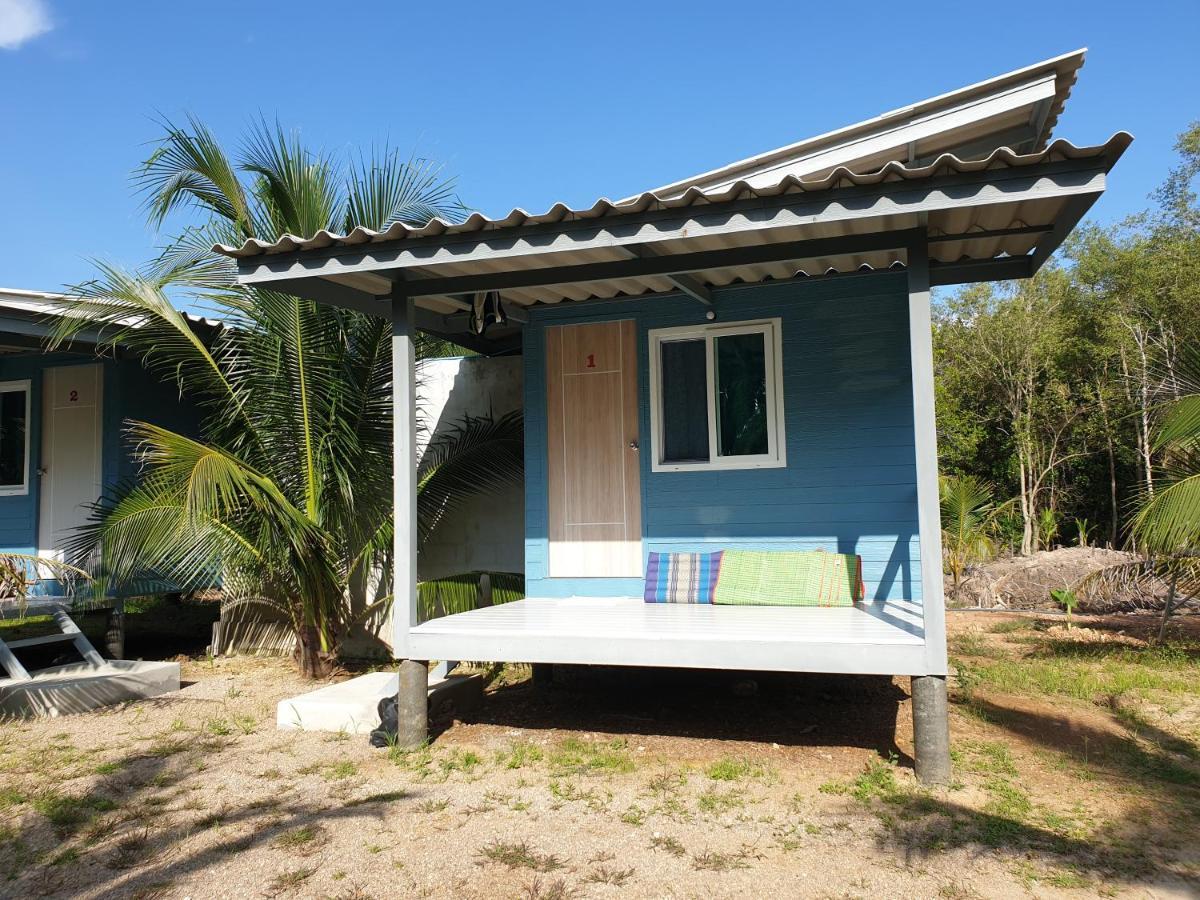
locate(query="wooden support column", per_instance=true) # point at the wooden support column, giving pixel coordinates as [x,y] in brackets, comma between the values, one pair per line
[412,699]
[930,716]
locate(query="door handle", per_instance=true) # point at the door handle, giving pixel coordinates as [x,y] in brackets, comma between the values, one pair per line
[633,445]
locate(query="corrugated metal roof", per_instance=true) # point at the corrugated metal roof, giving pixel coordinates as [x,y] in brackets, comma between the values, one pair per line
[946,164]
[43,304]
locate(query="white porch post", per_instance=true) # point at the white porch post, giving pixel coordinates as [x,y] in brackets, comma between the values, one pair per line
[411,702]
[931,734]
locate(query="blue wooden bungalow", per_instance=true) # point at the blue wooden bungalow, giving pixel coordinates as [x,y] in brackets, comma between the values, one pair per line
[741,359]
[61,419]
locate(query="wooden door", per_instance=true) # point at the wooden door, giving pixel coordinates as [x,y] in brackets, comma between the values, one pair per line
[595,501]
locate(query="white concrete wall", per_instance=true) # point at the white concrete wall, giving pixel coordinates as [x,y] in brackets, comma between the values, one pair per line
[488,533]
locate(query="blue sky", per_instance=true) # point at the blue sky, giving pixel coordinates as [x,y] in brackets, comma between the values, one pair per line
[528,103]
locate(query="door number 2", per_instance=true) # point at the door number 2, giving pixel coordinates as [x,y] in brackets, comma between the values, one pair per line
[74,396]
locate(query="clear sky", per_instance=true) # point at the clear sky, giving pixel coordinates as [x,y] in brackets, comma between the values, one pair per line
[526,103]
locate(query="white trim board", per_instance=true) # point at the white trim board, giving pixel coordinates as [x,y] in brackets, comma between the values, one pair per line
[772,331]
[6,387]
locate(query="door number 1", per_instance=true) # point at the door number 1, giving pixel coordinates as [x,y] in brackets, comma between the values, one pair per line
[591,361]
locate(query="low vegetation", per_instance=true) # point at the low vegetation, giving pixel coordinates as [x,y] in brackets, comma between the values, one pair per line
[1075,758]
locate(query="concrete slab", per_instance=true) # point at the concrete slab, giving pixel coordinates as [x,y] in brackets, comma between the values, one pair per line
[353,706]
[79,687]
[350,706]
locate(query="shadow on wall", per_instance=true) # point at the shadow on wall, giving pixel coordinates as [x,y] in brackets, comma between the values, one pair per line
[487,533]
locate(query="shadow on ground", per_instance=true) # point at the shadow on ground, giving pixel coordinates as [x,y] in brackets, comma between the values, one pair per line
[762,707]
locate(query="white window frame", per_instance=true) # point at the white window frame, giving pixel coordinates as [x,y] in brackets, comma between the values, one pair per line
[7,387]
[776,455]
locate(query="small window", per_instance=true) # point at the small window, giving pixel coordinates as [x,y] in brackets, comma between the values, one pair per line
[716,400]
[14,437]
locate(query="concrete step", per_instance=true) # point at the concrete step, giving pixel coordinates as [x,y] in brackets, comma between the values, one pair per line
[352,706]
[76,688]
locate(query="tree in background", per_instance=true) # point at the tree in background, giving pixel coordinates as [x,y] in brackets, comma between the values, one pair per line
[286,495]
[1050,388]
[970,518]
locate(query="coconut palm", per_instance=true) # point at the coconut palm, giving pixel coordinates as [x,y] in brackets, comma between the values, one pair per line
[969,515]
[1167,524]
[285,495]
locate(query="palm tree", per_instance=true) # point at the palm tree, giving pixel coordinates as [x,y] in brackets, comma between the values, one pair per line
[1167,524]
[285,495]
[969,516]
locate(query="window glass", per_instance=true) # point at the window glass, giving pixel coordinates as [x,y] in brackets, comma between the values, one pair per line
[741,382]
[12,438]
[684,401]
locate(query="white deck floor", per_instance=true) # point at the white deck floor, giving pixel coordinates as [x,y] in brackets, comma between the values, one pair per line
[868,638]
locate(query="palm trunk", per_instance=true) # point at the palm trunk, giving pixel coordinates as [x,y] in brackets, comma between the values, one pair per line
[309,657]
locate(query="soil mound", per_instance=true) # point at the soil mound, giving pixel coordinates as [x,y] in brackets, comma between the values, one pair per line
[1025,582]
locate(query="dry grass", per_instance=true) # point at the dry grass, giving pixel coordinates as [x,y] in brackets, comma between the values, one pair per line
[1076,770]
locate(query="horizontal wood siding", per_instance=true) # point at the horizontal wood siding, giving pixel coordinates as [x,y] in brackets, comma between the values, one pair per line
[850,482]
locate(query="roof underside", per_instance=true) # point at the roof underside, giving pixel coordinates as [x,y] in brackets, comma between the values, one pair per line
[992,218]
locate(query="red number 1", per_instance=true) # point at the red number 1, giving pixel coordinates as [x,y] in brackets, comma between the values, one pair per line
[591,363]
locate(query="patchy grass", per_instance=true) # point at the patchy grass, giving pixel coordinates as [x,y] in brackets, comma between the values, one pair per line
[975,644]
[605,875]
[285,882]
[579,757]
[1089,672]
[667,844]
[876,782]
[67,813]
[303,839]
[520,856]
[132,851]
[558,889]
[717,802]
[459,760]
[713,861]
[340,771]
[984,757]
[519,754]
[734,769]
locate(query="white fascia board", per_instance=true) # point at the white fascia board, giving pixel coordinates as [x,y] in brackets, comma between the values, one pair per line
[890,136]
[897,138]
[1058,66]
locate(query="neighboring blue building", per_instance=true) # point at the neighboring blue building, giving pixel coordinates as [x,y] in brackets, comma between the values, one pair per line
[62,417]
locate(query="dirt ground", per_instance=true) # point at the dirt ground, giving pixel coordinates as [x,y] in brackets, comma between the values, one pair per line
[1077,773]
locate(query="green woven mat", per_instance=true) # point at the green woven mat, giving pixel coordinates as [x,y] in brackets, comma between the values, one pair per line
[787,578]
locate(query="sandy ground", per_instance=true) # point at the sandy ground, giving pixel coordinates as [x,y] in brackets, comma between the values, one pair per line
[603,785]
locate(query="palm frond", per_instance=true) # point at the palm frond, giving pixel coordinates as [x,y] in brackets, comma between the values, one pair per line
[470,459]
[299,190]
[389,188]
[1181,424]
[133,310]
[189,168]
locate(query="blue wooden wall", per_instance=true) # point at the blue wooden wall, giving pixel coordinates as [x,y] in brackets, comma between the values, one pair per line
[850,483]
[128,393]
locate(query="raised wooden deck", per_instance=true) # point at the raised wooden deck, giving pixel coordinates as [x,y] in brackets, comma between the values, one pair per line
[868,638]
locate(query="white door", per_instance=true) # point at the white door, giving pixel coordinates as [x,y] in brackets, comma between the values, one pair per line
[70,467]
